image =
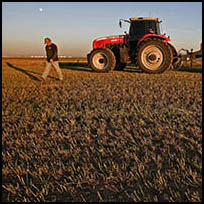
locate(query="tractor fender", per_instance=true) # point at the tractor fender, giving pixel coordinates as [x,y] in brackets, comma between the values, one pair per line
[147,36]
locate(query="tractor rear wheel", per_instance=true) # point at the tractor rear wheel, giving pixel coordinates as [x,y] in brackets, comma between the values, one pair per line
[154,56]
[175,57]
[102,60]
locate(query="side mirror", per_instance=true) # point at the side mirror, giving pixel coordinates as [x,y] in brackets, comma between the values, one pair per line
[120,24]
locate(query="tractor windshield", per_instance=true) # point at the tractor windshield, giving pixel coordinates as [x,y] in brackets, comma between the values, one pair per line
[139,28]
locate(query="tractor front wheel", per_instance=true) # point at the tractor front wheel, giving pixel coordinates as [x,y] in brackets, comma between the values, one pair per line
[154,56]
[102,60]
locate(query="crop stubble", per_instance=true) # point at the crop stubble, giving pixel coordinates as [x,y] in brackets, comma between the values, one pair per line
[121,136]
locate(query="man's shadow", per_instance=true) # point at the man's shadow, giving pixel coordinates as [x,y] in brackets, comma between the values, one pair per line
[75,66]
[28,73]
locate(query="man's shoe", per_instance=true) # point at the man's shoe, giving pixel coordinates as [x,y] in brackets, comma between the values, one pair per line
[41,78]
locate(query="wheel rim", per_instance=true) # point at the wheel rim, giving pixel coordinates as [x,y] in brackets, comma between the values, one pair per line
[152,57]
[100,60]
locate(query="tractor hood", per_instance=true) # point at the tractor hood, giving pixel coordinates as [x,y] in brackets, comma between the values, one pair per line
[113,39]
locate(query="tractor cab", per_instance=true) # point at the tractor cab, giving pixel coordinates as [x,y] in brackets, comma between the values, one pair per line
[140,26]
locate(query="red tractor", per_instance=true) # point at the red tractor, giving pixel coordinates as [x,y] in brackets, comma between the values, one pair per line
[144,47]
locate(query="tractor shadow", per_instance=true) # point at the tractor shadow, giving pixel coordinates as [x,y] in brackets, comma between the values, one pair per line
[187,69]
[84,67]
[28,73]
[132,70]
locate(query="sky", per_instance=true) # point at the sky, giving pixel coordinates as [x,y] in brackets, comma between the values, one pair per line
[74,25]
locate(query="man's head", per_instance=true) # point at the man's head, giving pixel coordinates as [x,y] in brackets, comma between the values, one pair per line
[47,41]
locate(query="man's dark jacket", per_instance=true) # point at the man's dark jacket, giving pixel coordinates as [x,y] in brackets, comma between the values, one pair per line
[51,51]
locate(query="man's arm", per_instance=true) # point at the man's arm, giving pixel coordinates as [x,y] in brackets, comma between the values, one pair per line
[54,56]
[49,53]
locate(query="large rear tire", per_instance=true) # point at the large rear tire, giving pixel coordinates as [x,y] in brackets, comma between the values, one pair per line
[154,56]
[102,60]
[175,60]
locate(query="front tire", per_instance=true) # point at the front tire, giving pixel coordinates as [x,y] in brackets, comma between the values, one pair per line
[154,56]
[102,60]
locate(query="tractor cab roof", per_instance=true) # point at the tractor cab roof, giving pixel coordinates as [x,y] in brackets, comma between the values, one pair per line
[144,19]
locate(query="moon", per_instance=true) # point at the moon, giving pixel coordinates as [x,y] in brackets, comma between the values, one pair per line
[40,9]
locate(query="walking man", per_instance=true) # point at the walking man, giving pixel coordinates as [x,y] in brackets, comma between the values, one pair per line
[52,59]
